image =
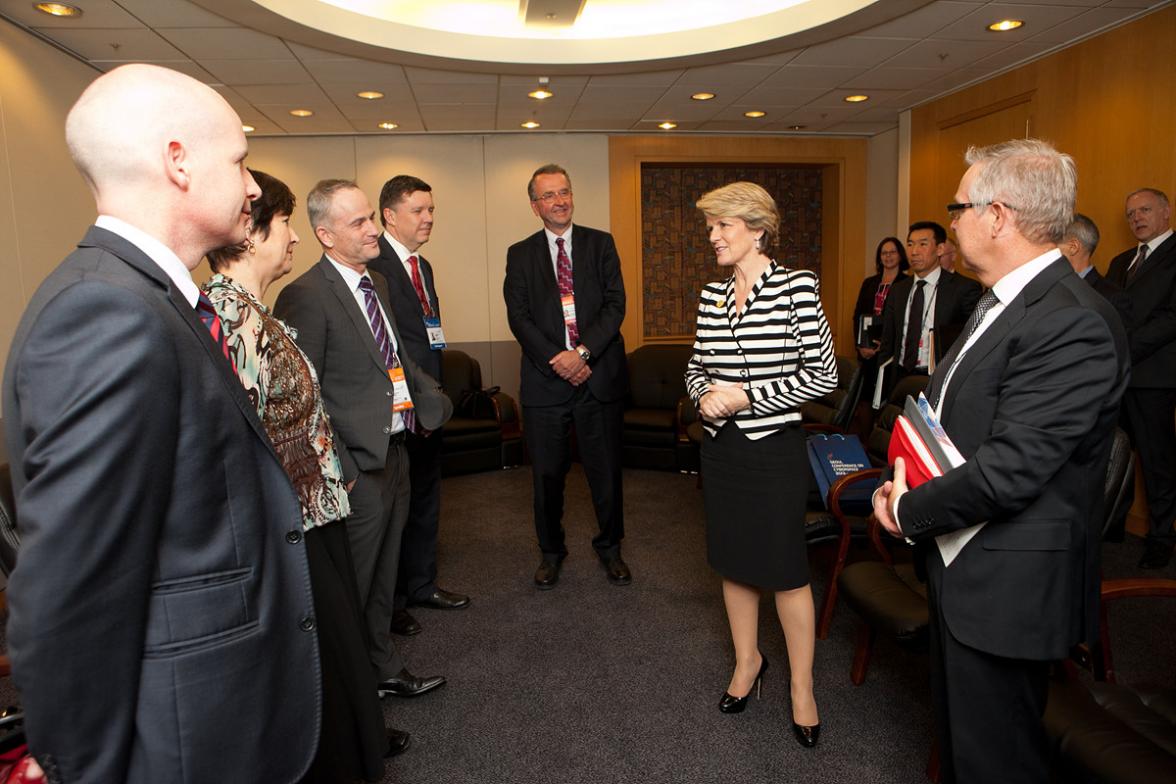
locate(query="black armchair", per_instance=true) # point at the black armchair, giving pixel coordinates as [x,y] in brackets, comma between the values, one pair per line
[836,408]
[484,433]
[652,435]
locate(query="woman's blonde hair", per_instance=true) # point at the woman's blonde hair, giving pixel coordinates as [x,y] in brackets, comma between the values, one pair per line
[748,202]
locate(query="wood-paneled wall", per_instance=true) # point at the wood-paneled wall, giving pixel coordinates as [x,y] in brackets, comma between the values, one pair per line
[844,165]
[1110,102]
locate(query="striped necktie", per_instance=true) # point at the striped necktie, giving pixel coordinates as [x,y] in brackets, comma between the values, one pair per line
[212,323]
[563,265]
[376,322]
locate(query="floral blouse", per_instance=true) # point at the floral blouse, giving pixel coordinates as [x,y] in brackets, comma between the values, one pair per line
[281,383]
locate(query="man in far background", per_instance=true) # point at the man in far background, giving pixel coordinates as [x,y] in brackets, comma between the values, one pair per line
[406,211]
[1147,273]
[947,259]
[1078,246]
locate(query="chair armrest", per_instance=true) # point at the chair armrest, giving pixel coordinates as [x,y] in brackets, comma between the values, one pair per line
[687,414]
[835,492]
[506,411]
[1128,587]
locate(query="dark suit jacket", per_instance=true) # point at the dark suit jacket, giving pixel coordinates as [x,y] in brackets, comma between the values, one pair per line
[406,306]
[1032,407]
[357,393]
[955,299]
[1153,314]
[159,613]
[1112,293]
[536,317]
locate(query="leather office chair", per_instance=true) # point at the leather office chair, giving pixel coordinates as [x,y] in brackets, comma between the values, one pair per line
[845,524]
[652,435]
[484,433]
[837,408]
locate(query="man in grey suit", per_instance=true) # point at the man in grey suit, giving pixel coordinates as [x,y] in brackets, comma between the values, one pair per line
[161,611]
[375,395]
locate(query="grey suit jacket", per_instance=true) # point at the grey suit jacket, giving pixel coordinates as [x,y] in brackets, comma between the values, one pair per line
[161,610]
[357,393]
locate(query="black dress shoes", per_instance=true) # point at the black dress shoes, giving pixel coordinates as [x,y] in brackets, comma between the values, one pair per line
[547,575]
[405,684]
[618,572]
[806,736]
[398,742]
[1156,555]
[441,599]
[404,624]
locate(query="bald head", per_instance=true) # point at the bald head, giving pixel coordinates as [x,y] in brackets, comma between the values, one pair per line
[165,153]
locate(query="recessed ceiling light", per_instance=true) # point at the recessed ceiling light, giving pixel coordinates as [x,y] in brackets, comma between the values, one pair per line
[389,126]
[754,114]
[529,124]
[1004,25]
[302,112]
[540,94]
[370,95]
[58,9]
[667,126]
[248,128]
[856,98]
[702,96]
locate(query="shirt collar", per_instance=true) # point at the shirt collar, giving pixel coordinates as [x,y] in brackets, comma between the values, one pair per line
[350,276]
[399,247]
[1007,288]
[932,278]
[552,237]
[163,256]
[1156,242]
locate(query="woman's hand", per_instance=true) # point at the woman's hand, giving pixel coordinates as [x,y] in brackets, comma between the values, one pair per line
[723,400]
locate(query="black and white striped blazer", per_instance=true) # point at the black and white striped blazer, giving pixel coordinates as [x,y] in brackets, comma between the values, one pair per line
[779,348]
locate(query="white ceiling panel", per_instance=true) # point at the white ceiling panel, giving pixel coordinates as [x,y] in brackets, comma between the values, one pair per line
[677,110]
[98,13]
[234,43]
[728,76]
[1013,55]
[735,113]
[814,76]
[455,93]
[236,72]
[378,111]
[431,76]
[639,79]
[946,55]
[1036,17]
[350,71]
[183,66]
[1081,26]
[116,44]
[835,98]
[551,117]
[856,51]
[885,78]
[923,22]
[171,13]
[782,95]
[283,93]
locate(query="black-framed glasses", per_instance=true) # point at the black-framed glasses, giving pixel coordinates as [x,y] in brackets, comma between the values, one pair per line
[956,209]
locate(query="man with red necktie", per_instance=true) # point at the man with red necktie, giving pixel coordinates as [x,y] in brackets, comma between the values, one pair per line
[406,211]
[565,301]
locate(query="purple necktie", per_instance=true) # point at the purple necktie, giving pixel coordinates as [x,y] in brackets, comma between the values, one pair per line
[376,321]
[563,266]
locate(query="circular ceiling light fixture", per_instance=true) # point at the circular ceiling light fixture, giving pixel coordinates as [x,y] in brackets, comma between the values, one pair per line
[370,95]
[530,125]
[755,114]
[667,125]
[301,113]
[855,98]
[58,9]
[702,96]
[388,126]
[1004,25]
[248,128]
[541,93]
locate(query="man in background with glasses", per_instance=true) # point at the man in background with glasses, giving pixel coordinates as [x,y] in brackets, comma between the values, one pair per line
[565,301]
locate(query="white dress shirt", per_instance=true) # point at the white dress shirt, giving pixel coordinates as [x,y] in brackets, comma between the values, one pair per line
[404,253]
[929,291]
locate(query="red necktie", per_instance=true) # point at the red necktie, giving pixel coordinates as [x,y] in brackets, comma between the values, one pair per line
[212,322]
[419,285]
[563,266]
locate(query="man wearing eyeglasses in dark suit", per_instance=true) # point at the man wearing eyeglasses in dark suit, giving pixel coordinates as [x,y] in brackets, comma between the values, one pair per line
[565,301]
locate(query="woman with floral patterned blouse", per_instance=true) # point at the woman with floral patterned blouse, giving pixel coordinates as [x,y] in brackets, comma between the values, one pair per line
[281,383]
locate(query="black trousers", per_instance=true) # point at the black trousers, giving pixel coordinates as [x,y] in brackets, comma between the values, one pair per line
[1150,419]
[417,578]
[988,709]
[548,430]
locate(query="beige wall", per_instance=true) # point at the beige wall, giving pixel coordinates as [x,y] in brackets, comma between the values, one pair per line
[881,195]
[44,205]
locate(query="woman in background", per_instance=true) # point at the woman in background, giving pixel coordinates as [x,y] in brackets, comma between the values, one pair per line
[762,348]
[281,383]
[890,259]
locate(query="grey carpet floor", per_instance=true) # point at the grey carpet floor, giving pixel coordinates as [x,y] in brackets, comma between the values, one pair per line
[596,684]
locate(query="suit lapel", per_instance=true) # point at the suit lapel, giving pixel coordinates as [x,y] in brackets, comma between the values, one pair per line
[398,276]
[350,306]
[1156,259]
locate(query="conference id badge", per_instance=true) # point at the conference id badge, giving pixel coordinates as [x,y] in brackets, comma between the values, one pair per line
[568,302]
[435,333]
[401,400]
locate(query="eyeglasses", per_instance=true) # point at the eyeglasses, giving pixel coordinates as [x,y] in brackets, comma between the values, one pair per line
[549,197]
[956,209]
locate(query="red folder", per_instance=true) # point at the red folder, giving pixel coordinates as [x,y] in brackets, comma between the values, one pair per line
[906,443]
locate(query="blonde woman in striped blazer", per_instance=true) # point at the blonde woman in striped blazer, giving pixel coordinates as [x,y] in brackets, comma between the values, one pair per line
[761,349]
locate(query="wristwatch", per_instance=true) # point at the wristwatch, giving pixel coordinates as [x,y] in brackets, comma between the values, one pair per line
[584,353]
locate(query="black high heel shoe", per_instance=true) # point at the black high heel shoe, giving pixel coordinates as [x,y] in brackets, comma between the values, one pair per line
[806,736]
[729,704]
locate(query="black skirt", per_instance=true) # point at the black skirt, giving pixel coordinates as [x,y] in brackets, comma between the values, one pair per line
[755,494]
[353,738]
